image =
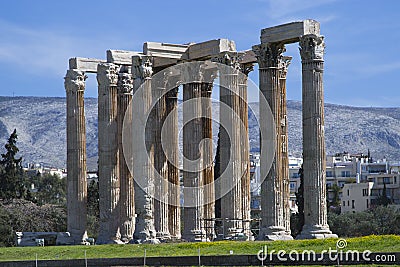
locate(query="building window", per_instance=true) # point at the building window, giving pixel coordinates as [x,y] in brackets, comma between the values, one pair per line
[348,202]
[348,192]
[292,186]
[353,204]
[344,203]
[365,192]
[345,173]
[367,204]
[329,174]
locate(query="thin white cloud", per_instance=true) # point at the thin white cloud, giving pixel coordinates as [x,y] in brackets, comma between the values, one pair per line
[282,11]
[42,51]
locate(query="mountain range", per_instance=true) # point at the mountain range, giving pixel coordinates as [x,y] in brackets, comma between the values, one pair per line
[41,128]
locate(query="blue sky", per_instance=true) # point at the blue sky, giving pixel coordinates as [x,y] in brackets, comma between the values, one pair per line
[362,60]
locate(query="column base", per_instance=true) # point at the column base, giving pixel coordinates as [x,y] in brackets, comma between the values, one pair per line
[175,238]
[144,238]
[274,233]
[79,238]
[316,232]
[195,236]
[163,236]
[236,234]
[126,240]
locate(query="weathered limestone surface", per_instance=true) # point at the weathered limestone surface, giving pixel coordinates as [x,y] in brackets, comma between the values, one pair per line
[273,226]
[121,57]
[245,147]
[156,167]
[315,210]
[283,143]
[290,32]
[143,162]
[88,65]
[29,239]
[76,155]
[193,176]
[205,50]
[166,50]
[208,168]
[172,150]
[160,159]
[109,180]
[230,145]
[127,203]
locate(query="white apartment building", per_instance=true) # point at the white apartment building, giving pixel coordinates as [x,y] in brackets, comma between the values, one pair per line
[356,197]
[362,196]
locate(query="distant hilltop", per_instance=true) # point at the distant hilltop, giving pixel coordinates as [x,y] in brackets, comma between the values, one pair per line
[41,127]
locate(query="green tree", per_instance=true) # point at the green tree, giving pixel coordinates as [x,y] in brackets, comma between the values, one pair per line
[51,189]
[93,208]
[11,173]
[383,199]
[24,216]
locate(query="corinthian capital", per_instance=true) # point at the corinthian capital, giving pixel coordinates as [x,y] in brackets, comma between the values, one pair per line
[107,74]
[284,65]
[231,59]
[125,83]
[142,67]
[74,80]
[312,47]
[269,54]
[246,68]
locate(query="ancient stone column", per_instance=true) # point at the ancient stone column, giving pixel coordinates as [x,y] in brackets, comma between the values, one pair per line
[76,155]
[314,166]
[109,180]
[283,141]
[160,161]
[172,151]
[127,203]
[273,226]
[208,167]
[245,148]
[193,175]
[230,145]
[143,147]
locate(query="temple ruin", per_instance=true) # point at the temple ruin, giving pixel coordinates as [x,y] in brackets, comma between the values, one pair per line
[136,206]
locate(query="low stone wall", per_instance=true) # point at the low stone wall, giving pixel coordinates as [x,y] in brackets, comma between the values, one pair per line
[228,260]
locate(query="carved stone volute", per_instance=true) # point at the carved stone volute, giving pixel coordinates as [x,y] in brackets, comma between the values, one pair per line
[75,80]
[269,54]
[125,83]
[312,47]
[107,74]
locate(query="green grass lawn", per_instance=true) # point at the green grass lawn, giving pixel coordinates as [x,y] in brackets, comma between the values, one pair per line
[387,243]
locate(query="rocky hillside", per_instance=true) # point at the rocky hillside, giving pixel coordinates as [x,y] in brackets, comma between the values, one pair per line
[41,124]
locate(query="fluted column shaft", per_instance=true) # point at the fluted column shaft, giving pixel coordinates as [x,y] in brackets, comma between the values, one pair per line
[245,147]
[230,145]
[283,143]
[160,160]
[76,155]
[127,203]
[172,151]
[193,163]
[143,161]
[109,182]
[273,226]
[208,167]
[314,166]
